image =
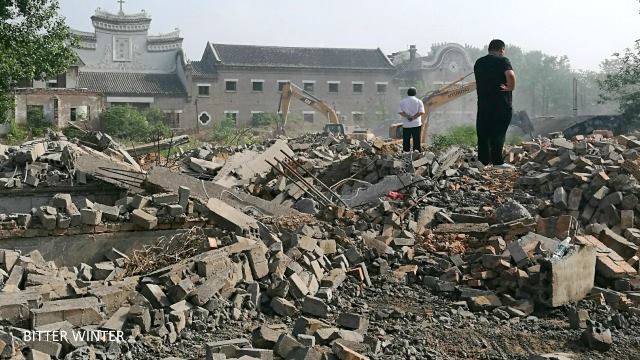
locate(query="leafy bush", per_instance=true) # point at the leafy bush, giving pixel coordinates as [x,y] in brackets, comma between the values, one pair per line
[36,122]
[72,133]
[514,139]
[265,119]
[126,122]
[621,82]
[17,134]
[457,135]
[225,131]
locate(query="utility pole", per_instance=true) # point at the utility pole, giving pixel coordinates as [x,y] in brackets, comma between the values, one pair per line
[197,118]
[575,96]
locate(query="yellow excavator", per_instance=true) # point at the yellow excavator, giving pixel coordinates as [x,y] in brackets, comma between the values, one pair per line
[436,99]
[289,91]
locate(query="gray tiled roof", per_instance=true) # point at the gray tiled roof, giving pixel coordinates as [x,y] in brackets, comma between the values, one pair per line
[200,68]
[302,57]
[131,83]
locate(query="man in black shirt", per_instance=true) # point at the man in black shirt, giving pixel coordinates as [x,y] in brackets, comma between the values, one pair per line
[495,81]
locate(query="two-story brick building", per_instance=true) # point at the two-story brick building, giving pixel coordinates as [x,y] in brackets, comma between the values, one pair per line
[239,81]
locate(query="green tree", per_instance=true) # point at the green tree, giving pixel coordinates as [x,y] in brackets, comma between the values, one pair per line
[622,82]
[35,44]
[545,82]
[126,122]
[265,119]
[36,123]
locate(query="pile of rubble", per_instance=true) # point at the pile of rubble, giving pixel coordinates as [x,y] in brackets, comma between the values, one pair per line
[239,276]
[53,161]
[139,212]
[256,286]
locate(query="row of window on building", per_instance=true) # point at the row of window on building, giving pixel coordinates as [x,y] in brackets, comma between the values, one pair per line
[231,85]
[308,116]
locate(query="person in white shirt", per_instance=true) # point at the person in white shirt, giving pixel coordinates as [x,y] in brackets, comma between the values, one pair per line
[411,109]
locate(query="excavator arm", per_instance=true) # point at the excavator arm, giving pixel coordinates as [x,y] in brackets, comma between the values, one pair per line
[289,91]
[436,99]
[441,97]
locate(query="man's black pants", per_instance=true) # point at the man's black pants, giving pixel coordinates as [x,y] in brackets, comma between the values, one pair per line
[491,125]
[407,134]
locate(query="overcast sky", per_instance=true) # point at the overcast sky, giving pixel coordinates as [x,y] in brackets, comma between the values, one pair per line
[587,31]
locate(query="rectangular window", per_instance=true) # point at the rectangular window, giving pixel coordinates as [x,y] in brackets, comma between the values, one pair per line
[62,80]
[256,117]
[357,87]
[334,86]
[281,84]
[172,118]
[357,116]
[381,88]
[74,114]
[203,89]
[308,116]
[308,86]
[257,85]
[231,115]
[52,83]
[231,85]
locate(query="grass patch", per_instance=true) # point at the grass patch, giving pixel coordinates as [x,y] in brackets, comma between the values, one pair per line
[457,135]
[514,140]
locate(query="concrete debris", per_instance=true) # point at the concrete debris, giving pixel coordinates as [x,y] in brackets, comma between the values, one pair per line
[365,255]
[596,336]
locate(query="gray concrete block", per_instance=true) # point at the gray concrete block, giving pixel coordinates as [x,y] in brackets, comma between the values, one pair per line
[175,210]
[266,336]
[334,279]
[79,312]
[140,316]
[283,307]
[181,290]
[183,196]
[315,306]
[14,282]
[61,201]
[285,345]
[143,219]
[140,201]
[572,277]
[353,321]
[91,216]
[50,348]
[109,213]
[155,295]
[165,198]
[258,261]
[117,320]
[103,270]
[205,291]
[297,288]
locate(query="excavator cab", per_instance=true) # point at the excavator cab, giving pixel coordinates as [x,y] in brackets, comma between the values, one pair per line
[395,131]
[334,129]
